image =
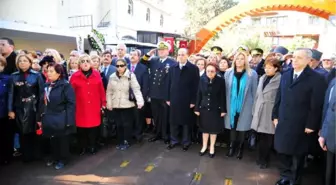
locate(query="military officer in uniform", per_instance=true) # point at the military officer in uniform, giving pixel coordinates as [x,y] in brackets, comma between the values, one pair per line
[217,50]
[158,88]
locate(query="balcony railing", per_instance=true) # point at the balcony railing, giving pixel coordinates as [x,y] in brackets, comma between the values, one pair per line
[81,21]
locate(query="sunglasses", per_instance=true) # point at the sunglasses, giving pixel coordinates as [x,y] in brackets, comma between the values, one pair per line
[120,66]
[85,61]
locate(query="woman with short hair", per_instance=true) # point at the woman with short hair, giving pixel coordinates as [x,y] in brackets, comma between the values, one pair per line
[24,104]
[58,120]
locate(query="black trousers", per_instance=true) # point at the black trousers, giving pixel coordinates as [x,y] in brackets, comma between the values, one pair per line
[160,111]
[265,147]
[237,136]
[124,119]
[175,131]
[87,137]
[30,146]
[139,123]
[59,146]
[330,169]
[6,139]
[291,167]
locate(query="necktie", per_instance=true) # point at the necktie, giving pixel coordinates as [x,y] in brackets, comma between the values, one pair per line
[105,70]
[132,68]
[295,77]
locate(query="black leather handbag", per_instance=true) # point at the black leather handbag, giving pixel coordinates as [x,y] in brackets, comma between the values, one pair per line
[131,95]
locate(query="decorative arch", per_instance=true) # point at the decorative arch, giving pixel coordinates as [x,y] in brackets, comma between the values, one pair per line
[321,8]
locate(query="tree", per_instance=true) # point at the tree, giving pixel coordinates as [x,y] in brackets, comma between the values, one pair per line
[200,12]
[300,42]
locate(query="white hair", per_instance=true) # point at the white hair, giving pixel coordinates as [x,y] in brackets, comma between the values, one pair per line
[308,52]
[123,45]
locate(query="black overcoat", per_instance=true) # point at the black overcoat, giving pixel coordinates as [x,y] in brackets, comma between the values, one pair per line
[183,86]
[298,105]
[58,118]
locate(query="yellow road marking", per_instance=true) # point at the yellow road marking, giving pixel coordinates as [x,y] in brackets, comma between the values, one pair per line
[197,176]
[228,181]
[149,168]
[124,164]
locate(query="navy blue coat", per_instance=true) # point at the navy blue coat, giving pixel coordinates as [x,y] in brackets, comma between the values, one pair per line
[182,91]
[260,69]
[329,117]
[106,77]
[25,98]
[320,70]
[4,80]
[158,80]
[142,75]
[298,105]
[58,117]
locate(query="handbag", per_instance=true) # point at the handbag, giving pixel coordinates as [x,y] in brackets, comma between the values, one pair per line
[252,140]
[131,95]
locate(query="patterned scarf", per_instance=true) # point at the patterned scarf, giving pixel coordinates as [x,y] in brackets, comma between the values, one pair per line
[237,98]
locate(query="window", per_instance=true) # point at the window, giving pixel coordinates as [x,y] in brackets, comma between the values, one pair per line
[256,21]
[161,20]
[313,20]
[148,15]
[130,7]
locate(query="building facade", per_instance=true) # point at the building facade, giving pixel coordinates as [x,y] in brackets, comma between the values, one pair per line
[115,19]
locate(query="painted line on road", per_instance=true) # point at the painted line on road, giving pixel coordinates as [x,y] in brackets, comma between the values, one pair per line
[149,168]
[124,164]
[228,181]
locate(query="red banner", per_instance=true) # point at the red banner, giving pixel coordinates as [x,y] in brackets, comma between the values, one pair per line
[183,44]
[170,40]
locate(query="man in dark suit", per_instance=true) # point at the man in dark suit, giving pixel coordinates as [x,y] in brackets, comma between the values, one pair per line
[182,90]
[315,63]
[141,73]
[158,89]
[107,68]
[7,51]
[297,114]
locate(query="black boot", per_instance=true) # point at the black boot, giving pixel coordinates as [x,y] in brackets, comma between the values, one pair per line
[240,151]
[231,150]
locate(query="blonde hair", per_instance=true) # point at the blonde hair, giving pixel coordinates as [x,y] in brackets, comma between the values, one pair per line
[23,55]
[95,57]
[55,54]
[83,56]
[247,65]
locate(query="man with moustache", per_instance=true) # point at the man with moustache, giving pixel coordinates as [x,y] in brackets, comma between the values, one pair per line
[158,89]
[107,69]
[182,90]
[141,73]
[121,54]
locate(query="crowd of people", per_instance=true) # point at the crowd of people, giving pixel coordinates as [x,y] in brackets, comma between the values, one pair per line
[284,99]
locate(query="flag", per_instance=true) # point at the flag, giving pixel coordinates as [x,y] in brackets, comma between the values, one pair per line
[183,44]
[170,40]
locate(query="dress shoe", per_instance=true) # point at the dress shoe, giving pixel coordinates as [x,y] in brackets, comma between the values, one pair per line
[202,153]
[282,182]
[83,151]
[166,141]
[171,146]
[263,166]
[153,139]
[211,155]
[50,163]
[185,148]
[231,150]
[93,150]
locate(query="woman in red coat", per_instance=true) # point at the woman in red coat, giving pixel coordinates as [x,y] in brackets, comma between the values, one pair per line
[91,100]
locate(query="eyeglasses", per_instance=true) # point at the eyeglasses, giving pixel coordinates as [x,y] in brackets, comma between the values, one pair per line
[120,66]
[85,61]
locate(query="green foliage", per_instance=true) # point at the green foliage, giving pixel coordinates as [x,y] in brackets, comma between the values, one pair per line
[200,12]
[300,42]
[93,43]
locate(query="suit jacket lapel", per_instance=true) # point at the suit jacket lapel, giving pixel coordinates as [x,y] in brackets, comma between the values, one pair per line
[302,76]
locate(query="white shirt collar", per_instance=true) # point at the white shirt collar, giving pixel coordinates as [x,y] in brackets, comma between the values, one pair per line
[297,73]
[202,72]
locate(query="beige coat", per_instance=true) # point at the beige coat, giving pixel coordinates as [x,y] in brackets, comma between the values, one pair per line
[263,105]
[117,92]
